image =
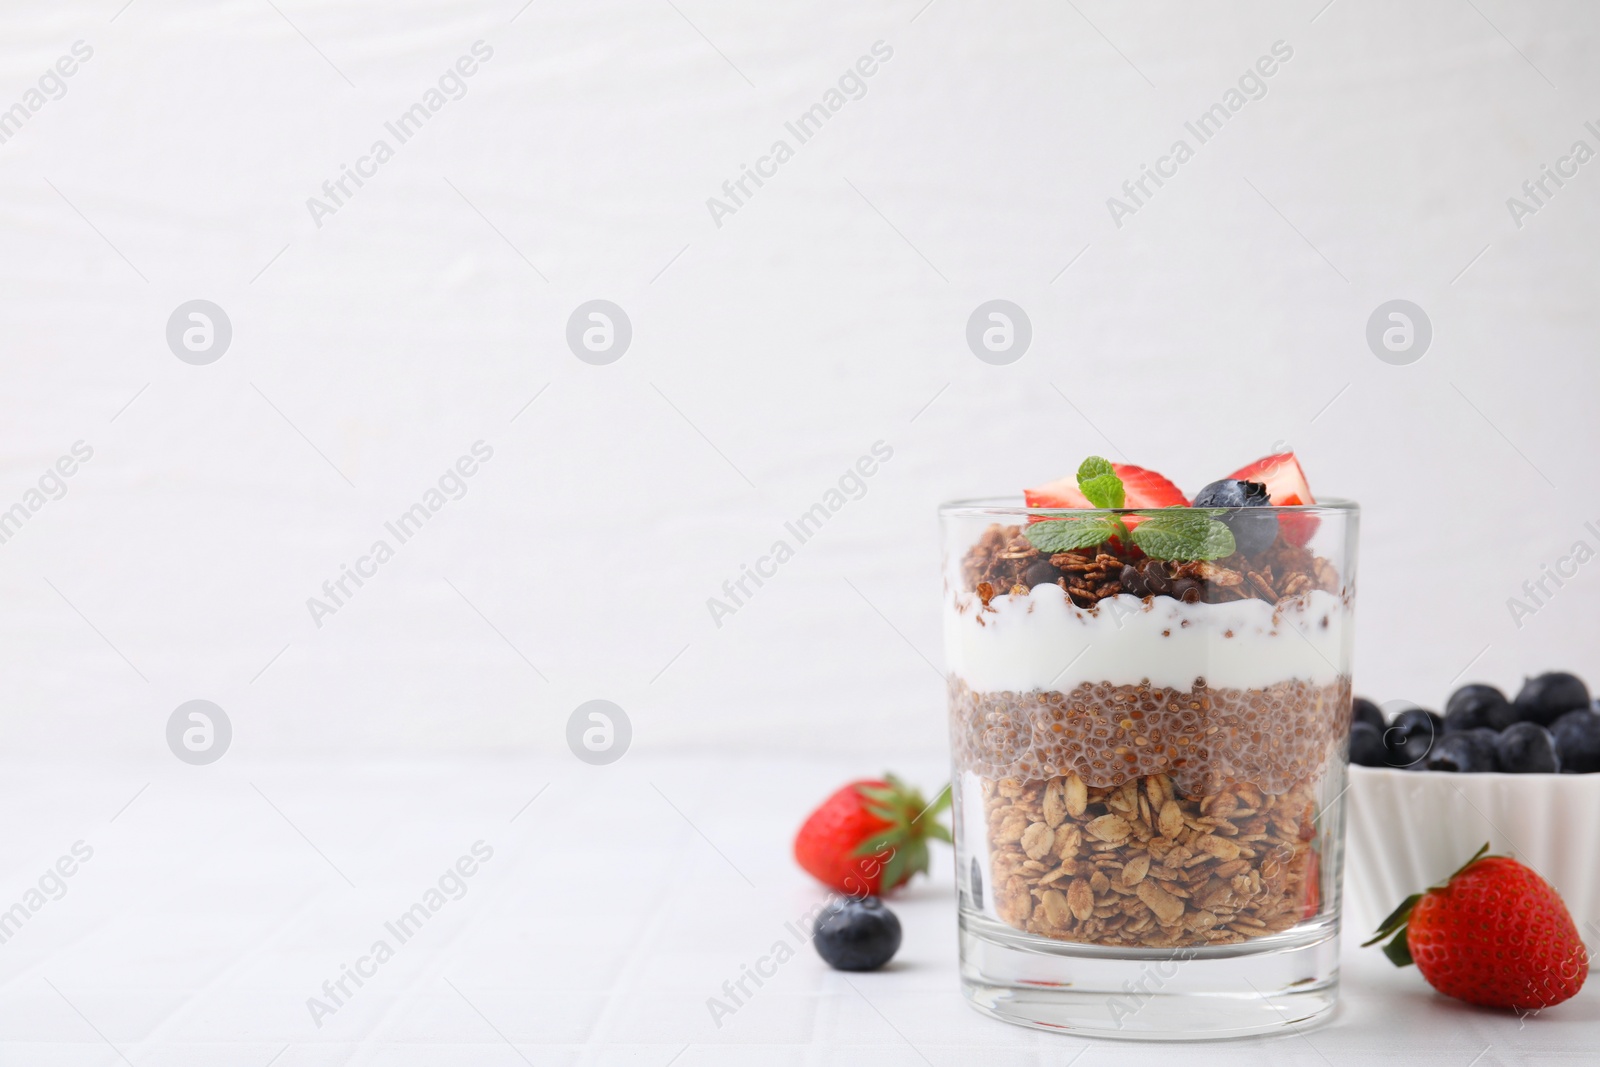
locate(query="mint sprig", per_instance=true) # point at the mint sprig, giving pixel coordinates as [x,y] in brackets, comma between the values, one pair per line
[1098,481]
[1068,534]
[1184,533]
[1176,533]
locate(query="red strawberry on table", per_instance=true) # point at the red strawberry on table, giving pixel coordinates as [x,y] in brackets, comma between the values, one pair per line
[1286,487]
[870,836]
[1496,934]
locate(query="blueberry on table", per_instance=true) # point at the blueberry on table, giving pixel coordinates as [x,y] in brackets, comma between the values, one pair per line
[1366,745]
[1252,533]
[1364,710]
[857,934]
[1466,752]
[1549,696]
[1577,735]
[1477,705]
[1527,748]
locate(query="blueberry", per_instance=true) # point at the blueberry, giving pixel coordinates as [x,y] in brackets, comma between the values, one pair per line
[857,935]
[1577,735]
[1408,751]
[1232,493]
[1527,748]
[1366,745]
[1411,735]
[1485,733]
[1252,533]
[1414,720]
[1476,705]
[1549,696]
[1465,752]
[1364,710]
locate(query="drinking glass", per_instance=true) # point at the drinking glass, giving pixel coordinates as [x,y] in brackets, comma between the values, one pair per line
[1149,768]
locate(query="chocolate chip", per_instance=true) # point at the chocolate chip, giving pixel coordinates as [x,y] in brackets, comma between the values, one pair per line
[1132,581]
[1154,573]
[1186,590]
[1041,572]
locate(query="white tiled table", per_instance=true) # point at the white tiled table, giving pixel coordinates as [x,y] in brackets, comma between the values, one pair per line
[613,907]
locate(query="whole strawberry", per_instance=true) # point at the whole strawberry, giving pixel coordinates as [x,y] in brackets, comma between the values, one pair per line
[1496,934]
[870,836]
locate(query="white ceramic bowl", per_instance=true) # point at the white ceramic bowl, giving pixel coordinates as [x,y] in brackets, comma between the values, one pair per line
[1408,830]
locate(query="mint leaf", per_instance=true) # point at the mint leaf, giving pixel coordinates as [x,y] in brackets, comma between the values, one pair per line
[1100,484]
[1183,533]
[1094,467]
[1104,492]
[1063,536]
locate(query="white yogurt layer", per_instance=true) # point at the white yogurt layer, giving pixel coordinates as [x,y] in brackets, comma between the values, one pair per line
[1044,641]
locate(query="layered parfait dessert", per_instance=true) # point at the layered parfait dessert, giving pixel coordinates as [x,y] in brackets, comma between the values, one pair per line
[1149,701]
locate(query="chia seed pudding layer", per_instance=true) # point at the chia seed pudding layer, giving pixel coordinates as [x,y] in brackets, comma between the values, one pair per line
[1203,738]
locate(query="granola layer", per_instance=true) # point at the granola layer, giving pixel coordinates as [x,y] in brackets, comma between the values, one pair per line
[1004,561]
[1142,864]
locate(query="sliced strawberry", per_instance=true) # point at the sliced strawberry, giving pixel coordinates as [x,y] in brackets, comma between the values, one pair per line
[1143,489]
[1061,493]
[1281,474]
[1147,489]
[1286,487]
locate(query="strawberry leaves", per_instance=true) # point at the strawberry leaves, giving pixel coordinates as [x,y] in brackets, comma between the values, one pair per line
[912,822]
[1398,950]
[1177,533]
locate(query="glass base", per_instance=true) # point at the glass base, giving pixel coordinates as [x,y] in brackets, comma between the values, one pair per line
[1289,980]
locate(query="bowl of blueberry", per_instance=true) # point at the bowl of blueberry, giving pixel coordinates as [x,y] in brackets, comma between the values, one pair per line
[1522,773]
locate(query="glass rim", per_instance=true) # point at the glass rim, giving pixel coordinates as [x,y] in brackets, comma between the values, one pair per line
[1012,505]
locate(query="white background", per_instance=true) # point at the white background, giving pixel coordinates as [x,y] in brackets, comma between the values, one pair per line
[820,318]
[1224,319]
